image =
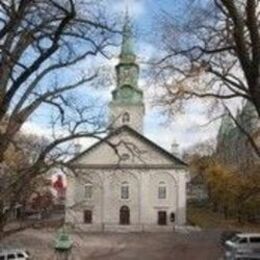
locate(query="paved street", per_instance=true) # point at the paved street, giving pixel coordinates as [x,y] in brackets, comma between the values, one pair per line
[201,245]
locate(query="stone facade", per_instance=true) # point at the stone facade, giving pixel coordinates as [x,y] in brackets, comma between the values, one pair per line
[125,182]
[144,174]
[134,114]
[143,202]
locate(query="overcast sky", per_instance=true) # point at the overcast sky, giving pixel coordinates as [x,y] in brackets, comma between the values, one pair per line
[190,127]
[187,128]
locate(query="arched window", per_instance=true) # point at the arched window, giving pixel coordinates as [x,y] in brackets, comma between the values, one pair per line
[124,215]
[125,190]
[126,118]
[88,190]
[162,190]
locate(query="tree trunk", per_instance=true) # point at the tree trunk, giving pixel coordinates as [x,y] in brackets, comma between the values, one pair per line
[215,207]
[2,220]
[225,210]
[3,146]
[7,137]
[240,215]
[1,232]
[255,93]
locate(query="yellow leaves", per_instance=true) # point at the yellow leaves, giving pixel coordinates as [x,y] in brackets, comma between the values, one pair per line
[229,188]
[221,182]
[201,164]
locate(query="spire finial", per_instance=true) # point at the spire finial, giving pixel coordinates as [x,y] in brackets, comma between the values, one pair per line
[127,51]
[126,10]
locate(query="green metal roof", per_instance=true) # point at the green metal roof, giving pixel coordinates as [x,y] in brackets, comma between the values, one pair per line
[127,91]
[127,51]
[63,241]
[127,95]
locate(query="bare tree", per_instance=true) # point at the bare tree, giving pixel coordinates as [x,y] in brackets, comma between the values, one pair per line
[205,148]
[41,43]
[38,38]
[213,51]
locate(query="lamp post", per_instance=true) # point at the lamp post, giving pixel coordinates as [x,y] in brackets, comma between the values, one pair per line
[63,245]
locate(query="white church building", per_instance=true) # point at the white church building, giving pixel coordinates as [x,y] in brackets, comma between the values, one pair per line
[125,182]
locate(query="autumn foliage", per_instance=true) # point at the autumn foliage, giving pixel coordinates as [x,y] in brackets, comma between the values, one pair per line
[229,192]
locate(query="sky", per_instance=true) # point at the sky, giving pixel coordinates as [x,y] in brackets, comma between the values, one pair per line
[185,129]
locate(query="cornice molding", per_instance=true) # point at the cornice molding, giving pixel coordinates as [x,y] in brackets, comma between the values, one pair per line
[127,166]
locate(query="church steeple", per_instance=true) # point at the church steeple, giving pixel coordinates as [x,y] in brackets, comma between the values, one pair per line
[127,69]
[127,106]
[127,50]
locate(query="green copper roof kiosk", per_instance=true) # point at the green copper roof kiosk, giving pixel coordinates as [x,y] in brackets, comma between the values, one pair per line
[63,245]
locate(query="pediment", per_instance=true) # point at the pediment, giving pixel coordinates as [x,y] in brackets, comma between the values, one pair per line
[126,147]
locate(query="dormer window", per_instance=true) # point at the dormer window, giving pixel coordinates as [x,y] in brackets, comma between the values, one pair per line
[126,118]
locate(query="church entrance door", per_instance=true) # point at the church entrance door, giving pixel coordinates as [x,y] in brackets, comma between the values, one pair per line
[124,215]
[162,218]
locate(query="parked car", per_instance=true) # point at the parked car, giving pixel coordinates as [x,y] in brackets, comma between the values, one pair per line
[14,254]
[227,235]
[242,245]
[252,256]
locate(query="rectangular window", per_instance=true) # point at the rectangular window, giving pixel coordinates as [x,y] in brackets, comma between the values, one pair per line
[88,191]
[162,193]
[124,192]
[162,218]
[255,240]
[243,240]
[87,216]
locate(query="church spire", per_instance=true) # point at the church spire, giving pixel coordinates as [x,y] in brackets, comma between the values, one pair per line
[127,107]
[127,54]
[127,69]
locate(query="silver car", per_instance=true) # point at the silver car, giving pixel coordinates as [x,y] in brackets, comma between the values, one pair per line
[14,254]
[242,245]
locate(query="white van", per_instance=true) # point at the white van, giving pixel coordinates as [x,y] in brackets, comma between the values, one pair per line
[14,254]
[242,244]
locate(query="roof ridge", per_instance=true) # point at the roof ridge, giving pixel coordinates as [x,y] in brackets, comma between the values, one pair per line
[116,131]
